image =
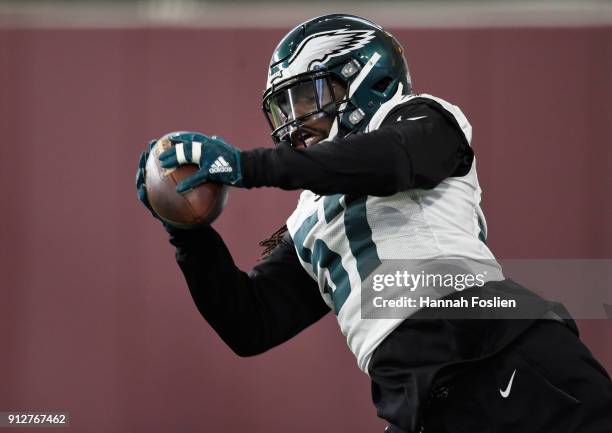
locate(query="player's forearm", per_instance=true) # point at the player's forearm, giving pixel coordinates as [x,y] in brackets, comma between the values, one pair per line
[221,292]
[327,168]
[251,312]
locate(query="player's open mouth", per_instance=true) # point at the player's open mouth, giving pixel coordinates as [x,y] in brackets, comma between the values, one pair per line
[306,136]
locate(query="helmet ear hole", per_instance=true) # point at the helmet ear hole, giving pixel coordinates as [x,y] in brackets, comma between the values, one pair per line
[382,84]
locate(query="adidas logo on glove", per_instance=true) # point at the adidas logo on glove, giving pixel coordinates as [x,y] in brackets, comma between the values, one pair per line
[220,166]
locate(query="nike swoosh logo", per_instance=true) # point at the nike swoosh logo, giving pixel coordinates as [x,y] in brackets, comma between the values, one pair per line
[506,392]
[399,119]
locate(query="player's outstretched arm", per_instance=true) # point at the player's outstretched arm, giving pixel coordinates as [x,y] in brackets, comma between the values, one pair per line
[417,146]
[251,312]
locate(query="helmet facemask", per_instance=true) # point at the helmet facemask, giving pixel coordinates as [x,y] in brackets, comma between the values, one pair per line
[303,108]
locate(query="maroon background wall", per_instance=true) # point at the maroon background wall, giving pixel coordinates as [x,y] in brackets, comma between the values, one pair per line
[94,316]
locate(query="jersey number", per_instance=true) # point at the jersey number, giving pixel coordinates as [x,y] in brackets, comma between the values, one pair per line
[359,236]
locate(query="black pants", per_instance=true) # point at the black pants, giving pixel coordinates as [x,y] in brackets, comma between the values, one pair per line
[544,381]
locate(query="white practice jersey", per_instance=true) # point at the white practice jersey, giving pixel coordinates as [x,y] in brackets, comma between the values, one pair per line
[336,236]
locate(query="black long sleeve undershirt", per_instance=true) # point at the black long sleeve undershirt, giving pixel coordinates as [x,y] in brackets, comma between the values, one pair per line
[400,155]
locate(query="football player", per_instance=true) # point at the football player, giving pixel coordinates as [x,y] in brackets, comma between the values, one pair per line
[387,174]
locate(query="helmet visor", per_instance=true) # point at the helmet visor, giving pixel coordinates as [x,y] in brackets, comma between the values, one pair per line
[297,101]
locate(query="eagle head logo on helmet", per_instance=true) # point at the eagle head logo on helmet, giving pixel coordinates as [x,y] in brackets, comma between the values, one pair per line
[318,48]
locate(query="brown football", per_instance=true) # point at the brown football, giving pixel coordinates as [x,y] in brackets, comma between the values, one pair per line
[198,206]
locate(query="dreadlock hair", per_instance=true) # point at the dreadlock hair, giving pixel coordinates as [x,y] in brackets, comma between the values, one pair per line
[270,243]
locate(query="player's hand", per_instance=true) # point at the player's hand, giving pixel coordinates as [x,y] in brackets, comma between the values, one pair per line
[218,160]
